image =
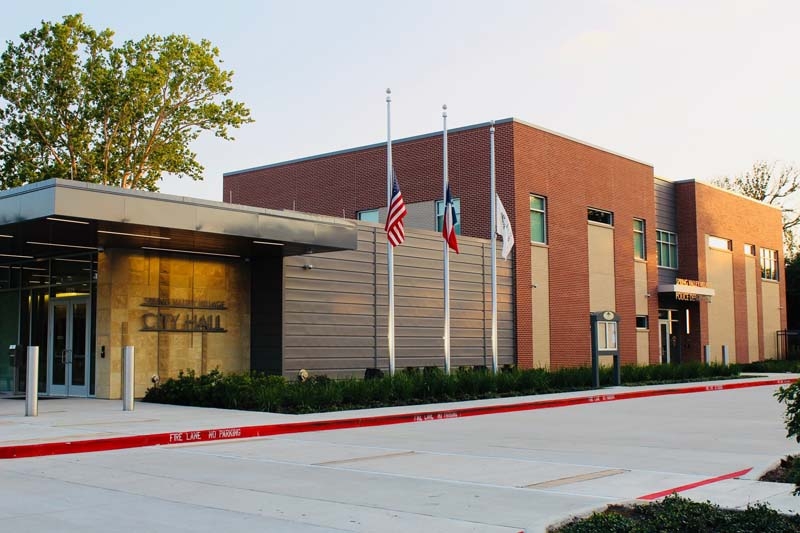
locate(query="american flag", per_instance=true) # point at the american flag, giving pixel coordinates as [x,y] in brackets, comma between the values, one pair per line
[450,221]
[397,211]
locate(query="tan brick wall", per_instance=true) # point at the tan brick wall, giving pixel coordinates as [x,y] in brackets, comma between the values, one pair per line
[126,278]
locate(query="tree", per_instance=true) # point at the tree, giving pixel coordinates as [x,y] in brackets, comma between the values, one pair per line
[74,106]
[774,185]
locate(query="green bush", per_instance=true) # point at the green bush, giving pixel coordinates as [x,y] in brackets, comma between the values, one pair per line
[257,392]
[675,514]
[791,397]
[772,365]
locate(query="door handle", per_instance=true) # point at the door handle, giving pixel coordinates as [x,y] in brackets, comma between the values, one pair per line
[67,357]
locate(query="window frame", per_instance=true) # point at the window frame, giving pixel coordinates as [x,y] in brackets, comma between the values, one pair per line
[769,272]
[641,236]
[669,244]
[360,214]
[601,212]
[720,243]
[538,212]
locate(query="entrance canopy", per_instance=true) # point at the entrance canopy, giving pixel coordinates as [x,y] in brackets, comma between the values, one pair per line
[58,217]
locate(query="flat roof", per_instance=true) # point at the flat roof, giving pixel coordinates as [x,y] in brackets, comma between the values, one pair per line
[60,216]
[427,135]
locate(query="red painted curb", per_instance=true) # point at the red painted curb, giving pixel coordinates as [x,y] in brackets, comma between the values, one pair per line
[661,494]
[208,435]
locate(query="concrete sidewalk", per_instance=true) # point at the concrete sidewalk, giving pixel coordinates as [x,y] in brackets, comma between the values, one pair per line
[568,476]
[85,419]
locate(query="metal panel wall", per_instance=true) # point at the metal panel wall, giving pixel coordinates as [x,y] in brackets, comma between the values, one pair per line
[665,220]
[336,306]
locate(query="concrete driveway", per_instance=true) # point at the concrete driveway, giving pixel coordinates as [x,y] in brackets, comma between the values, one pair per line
[508,472]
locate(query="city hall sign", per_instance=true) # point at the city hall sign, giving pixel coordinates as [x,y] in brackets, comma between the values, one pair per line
[176,315]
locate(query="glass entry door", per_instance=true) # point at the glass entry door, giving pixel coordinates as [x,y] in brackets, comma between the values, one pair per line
[664,338]
[68,349]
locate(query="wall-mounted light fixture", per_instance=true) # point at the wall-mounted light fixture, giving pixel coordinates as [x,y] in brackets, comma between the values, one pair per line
[56,219]
[308,266]
[133,234]
[61,245]
[187,252]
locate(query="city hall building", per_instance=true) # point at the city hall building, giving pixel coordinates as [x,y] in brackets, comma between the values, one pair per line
[694,272]
[289,272]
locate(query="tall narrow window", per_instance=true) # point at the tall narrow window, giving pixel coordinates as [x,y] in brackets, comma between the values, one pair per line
[769,264]
[639,251]
[538,219]
[440,214]
[667,245]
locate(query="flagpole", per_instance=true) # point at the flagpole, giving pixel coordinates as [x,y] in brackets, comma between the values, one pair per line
[493,217]
[389,247]
[445,207]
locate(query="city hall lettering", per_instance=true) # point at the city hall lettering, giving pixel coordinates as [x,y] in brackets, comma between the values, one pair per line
[182,321]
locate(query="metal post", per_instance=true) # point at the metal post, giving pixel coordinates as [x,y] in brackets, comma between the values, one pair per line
[127,379]
[725,354]
[446,207]
[707,354]
[389,247]
[32,383]
[493,232]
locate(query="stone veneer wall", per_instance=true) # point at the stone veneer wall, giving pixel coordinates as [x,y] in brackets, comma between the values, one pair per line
[127,277]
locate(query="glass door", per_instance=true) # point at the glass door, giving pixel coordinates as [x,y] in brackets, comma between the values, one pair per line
[664,338]
[68,347]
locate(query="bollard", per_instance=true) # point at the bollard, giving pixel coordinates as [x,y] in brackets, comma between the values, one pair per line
[127,379]
[707,354]
[725,354]
[32,382]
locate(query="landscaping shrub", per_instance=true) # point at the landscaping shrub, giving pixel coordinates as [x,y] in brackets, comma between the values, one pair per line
[257,392]
[772,365]
[791,397]
[679,515]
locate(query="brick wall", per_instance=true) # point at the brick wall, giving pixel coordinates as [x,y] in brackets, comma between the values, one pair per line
[572,175]
[707,210]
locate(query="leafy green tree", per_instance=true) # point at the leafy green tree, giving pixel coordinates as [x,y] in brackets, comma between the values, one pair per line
[74,106]
[772,184]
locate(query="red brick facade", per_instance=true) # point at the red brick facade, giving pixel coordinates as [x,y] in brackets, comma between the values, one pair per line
[571,175]
[706,210]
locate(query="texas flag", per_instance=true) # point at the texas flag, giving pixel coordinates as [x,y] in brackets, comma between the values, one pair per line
[450,220]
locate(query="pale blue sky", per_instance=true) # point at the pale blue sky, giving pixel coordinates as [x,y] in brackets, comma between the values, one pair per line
[699,89]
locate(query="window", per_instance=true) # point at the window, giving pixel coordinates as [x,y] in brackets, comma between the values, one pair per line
[642,321]
[603,217]
[639,251]
[370,215]
[538,219]
[750,249]
[719,243]
[606,336]
[769,264]
[667,246]
[440,214]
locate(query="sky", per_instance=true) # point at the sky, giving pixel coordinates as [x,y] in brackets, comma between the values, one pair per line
[698,89]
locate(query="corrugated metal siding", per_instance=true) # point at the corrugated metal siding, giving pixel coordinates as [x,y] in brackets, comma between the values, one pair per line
[336,312]
[666,219]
